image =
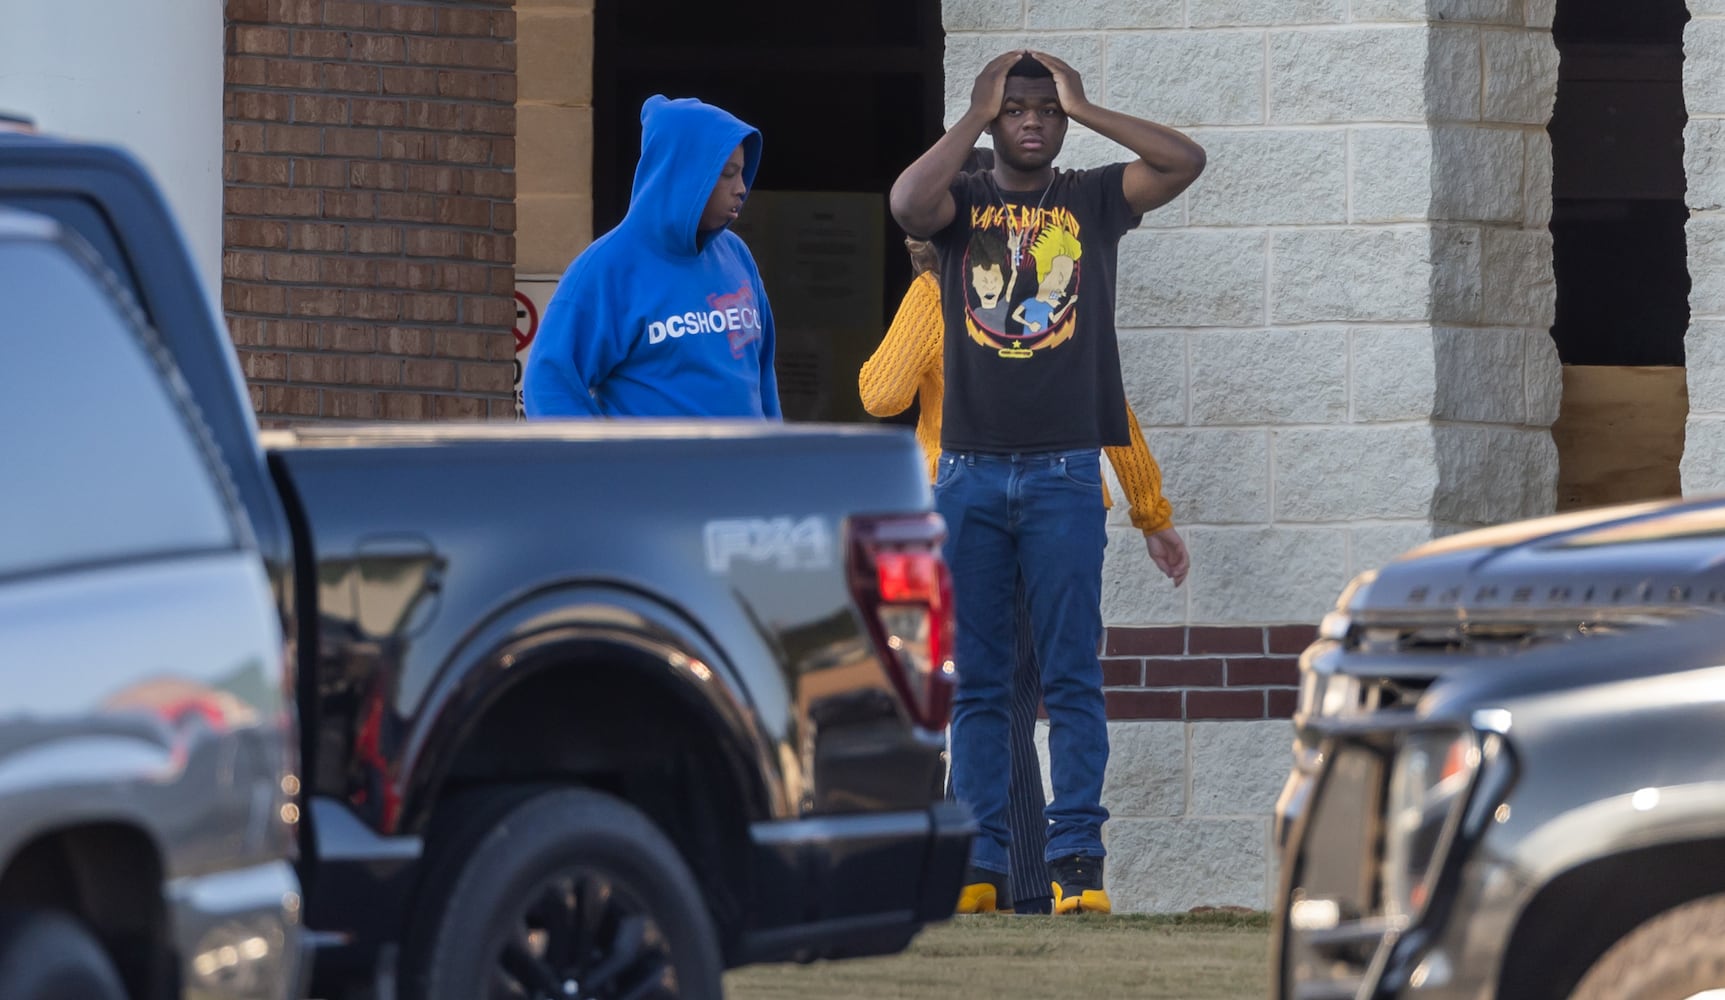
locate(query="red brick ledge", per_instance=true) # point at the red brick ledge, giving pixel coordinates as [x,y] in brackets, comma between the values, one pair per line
[1200,673]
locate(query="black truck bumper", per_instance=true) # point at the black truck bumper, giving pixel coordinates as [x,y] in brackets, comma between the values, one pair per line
[356,901]
[848,886]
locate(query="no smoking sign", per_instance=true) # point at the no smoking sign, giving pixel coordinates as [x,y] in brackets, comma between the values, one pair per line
[526,322]
[531,297]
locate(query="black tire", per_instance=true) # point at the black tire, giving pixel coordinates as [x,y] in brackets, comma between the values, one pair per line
[50,956]
[1674,956]
[562,887]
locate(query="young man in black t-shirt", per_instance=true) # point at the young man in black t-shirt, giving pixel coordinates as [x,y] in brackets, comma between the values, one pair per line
[1033,393]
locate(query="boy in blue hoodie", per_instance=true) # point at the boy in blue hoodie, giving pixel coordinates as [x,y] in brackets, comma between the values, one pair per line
[665,315]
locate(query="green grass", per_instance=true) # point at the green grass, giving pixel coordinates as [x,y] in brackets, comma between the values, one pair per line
[1221,956]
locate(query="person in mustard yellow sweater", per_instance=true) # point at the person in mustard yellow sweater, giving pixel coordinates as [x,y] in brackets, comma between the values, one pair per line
[906,367]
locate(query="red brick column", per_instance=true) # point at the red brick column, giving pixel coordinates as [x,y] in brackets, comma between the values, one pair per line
[1203,673]
[370,214]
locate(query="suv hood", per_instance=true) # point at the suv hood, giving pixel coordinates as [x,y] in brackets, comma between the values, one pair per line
[1613,560]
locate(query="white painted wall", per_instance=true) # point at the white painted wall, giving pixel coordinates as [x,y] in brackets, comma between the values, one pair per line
[147,76]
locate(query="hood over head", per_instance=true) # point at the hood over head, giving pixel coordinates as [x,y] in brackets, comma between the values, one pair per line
[684,146]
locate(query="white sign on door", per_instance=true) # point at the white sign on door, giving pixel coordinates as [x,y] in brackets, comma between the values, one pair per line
[532,295]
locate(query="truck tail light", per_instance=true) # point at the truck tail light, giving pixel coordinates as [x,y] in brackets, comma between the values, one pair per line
[900,581]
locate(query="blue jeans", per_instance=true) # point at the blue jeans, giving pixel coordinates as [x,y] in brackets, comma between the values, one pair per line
[1039,516]
[1026,822]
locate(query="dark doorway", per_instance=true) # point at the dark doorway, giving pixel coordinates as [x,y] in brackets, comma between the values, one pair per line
[843,104]
[1618,211]
[1618,217]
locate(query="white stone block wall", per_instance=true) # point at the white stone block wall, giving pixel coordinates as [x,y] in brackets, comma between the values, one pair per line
[1704,165]
[1338,338]
[1190,806]
[1498,379]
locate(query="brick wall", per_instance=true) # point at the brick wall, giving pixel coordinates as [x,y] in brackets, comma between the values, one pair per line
[369,158]
[1199,673]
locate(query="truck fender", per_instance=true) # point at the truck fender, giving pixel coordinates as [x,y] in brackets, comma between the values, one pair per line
[541,631]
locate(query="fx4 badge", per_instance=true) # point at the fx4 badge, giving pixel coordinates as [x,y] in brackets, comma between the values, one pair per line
[783,541]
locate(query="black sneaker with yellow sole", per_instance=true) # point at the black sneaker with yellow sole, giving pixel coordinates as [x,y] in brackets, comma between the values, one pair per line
[1077,885]
[983,891]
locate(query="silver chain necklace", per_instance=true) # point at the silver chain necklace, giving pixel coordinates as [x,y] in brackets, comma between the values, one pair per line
[1006,212]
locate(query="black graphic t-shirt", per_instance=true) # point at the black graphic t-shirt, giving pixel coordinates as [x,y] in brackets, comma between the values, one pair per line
[1027,293]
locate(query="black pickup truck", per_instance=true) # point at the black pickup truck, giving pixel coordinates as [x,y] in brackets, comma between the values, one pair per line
[586,710]
[1509,777]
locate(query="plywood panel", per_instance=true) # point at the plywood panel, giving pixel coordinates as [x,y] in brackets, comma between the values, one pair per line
[1620,434]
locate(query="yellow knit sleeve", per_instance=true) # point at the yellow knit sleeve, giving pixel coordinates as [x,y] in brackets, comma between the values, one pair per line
[889,378]
[1141,479]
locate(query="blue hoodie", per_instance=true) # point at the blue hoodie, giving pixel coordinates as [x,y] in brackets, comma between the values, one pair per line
[653,320]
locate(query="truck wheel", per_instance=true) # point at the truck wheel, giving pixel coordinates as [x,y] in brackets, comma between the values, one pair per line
[1677,955]
[50,956]
[565,895]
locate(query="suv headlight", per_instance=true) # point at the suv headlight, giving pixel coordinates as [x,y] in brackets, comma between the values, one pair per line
[1428,787]
[1326,695]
